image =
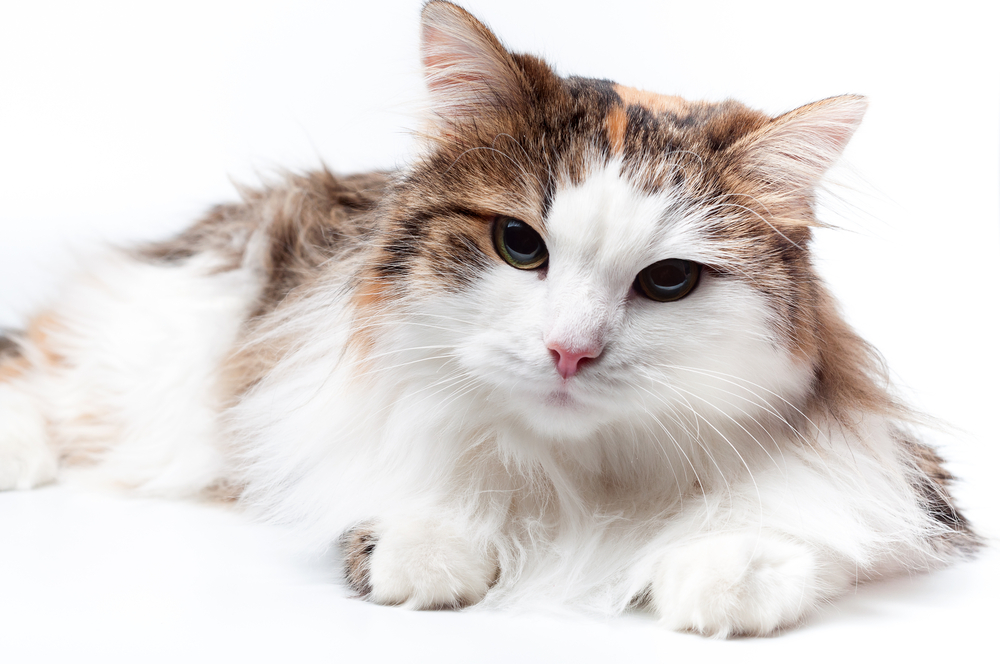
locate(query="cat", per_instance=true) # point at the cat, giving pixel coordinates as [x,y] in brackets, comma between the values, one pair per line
[577,352]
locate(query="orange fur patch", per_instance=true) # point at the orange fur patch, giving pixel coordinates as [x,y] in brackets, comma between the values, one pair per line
[617,122]
[39,336]
[15,368]
[654,102]
[368,300]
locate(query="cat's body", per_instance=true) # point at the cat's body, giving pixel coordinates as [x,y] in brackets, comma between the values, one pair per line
[360,358]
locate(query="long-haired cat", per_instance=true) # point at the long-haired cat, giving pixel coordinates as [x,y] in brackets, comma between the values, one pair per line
[576,352]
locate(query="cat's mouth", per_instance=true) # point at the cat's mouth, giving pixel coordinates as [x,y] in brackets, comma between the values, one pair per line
[563,412]
[561,398]
[565,399]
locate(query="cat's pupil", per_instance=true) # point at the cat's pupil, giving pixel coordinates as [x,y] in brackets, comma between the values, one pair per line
[519,244]
[667,274]
[522,242]
[668,280]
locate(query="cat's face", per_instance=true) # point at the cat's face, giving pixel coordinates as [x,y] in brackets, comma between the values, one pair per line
[580,253]
[637,355]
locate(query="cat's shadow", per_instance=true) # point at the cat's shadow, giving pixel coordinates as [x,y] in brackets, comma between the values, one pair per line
[890,598]
[882,600]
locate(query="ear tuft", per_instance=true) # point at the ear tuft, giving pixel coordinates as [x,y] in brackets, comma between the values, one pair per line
[467,69]
[794,150]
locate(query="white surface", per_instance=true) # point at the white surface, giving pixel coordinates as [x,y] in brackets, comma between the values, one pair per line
[121,121]
[92,578]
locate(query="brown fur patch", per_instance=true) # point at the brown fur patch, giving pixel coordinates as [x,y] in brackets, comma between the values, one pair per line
[321,217]
[297,227]
[223,491]
[931,482]
[12,364]
[357,545]
[8,346]
[302,223]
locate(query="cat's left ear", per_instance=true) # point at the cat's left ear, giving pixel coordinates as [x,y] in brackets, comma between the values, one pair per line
[794,150]
[468,71]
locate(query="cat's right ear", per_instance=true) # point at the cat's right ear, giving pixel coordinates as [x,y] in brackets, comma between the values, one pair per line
[468,71]
[794,150]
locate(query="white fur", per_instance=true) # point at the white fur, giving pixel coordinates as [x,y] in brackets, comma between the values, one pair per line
[25,459]
[428,563]
[678,466]
[141,346]
[742,583]
[688,425]
[678,463]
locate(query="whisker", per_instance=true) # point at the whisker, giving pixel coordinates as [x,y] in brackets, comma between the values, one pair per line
[733,420]
[698,441]
[725,378]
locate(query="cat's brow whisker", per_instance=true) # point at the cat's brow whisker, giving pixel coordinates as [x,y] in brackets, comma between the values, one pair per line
[523,151]
[723,197]
[761,217]
[524,173]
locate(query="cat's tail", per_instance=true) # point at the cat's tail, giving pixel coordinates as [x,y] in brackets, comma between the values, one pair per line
[118,382]
[26,456]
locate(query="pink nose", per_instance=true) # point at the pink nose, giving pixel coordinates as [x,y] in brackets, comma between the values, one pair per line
[568,362]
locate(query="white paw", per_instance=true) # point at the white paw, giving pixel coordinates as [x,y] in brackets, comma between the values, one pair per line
[25,458]
[735,584]
[428,564]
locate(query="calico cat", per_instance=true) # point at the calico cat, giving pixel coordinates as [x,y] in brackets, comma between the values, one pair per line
[576,352]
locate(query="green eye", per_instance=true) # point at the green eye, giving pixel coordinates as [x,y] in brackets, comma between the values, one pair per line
[519,244]
[669,280]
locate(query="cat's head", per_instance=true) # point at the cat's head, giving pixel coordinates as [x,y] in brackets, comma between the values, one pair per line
[578,252]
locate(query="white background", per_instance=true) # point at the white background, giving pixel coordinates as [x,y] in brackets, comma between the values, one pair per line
[121,121]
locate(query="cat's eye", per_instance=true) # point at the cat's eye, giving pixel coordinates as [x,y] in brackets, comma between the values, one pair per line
[519,244]
[668,280]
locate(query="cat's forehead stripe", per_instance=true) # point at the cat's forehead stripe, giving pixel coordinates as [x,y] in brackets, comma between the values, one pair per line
[638,104]
[616,124]
[653,102]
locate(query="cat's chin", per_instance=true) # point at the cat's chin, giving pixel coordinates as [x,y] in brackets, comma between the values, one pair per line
[558,413]
[562,399]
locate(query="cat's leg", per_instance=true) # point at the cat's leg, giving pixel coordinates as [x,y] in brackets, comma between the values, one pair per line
[26,458]
[761,553]
[418,561]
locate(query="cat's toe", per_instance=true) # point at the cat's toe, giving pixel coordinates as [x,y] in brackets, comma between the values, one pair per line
[357,545]
[419,563]
[735,584]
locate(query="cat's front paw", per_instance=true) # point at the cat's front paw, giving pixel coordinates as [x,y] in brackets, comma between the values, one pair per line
[419,563]
[735,584]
